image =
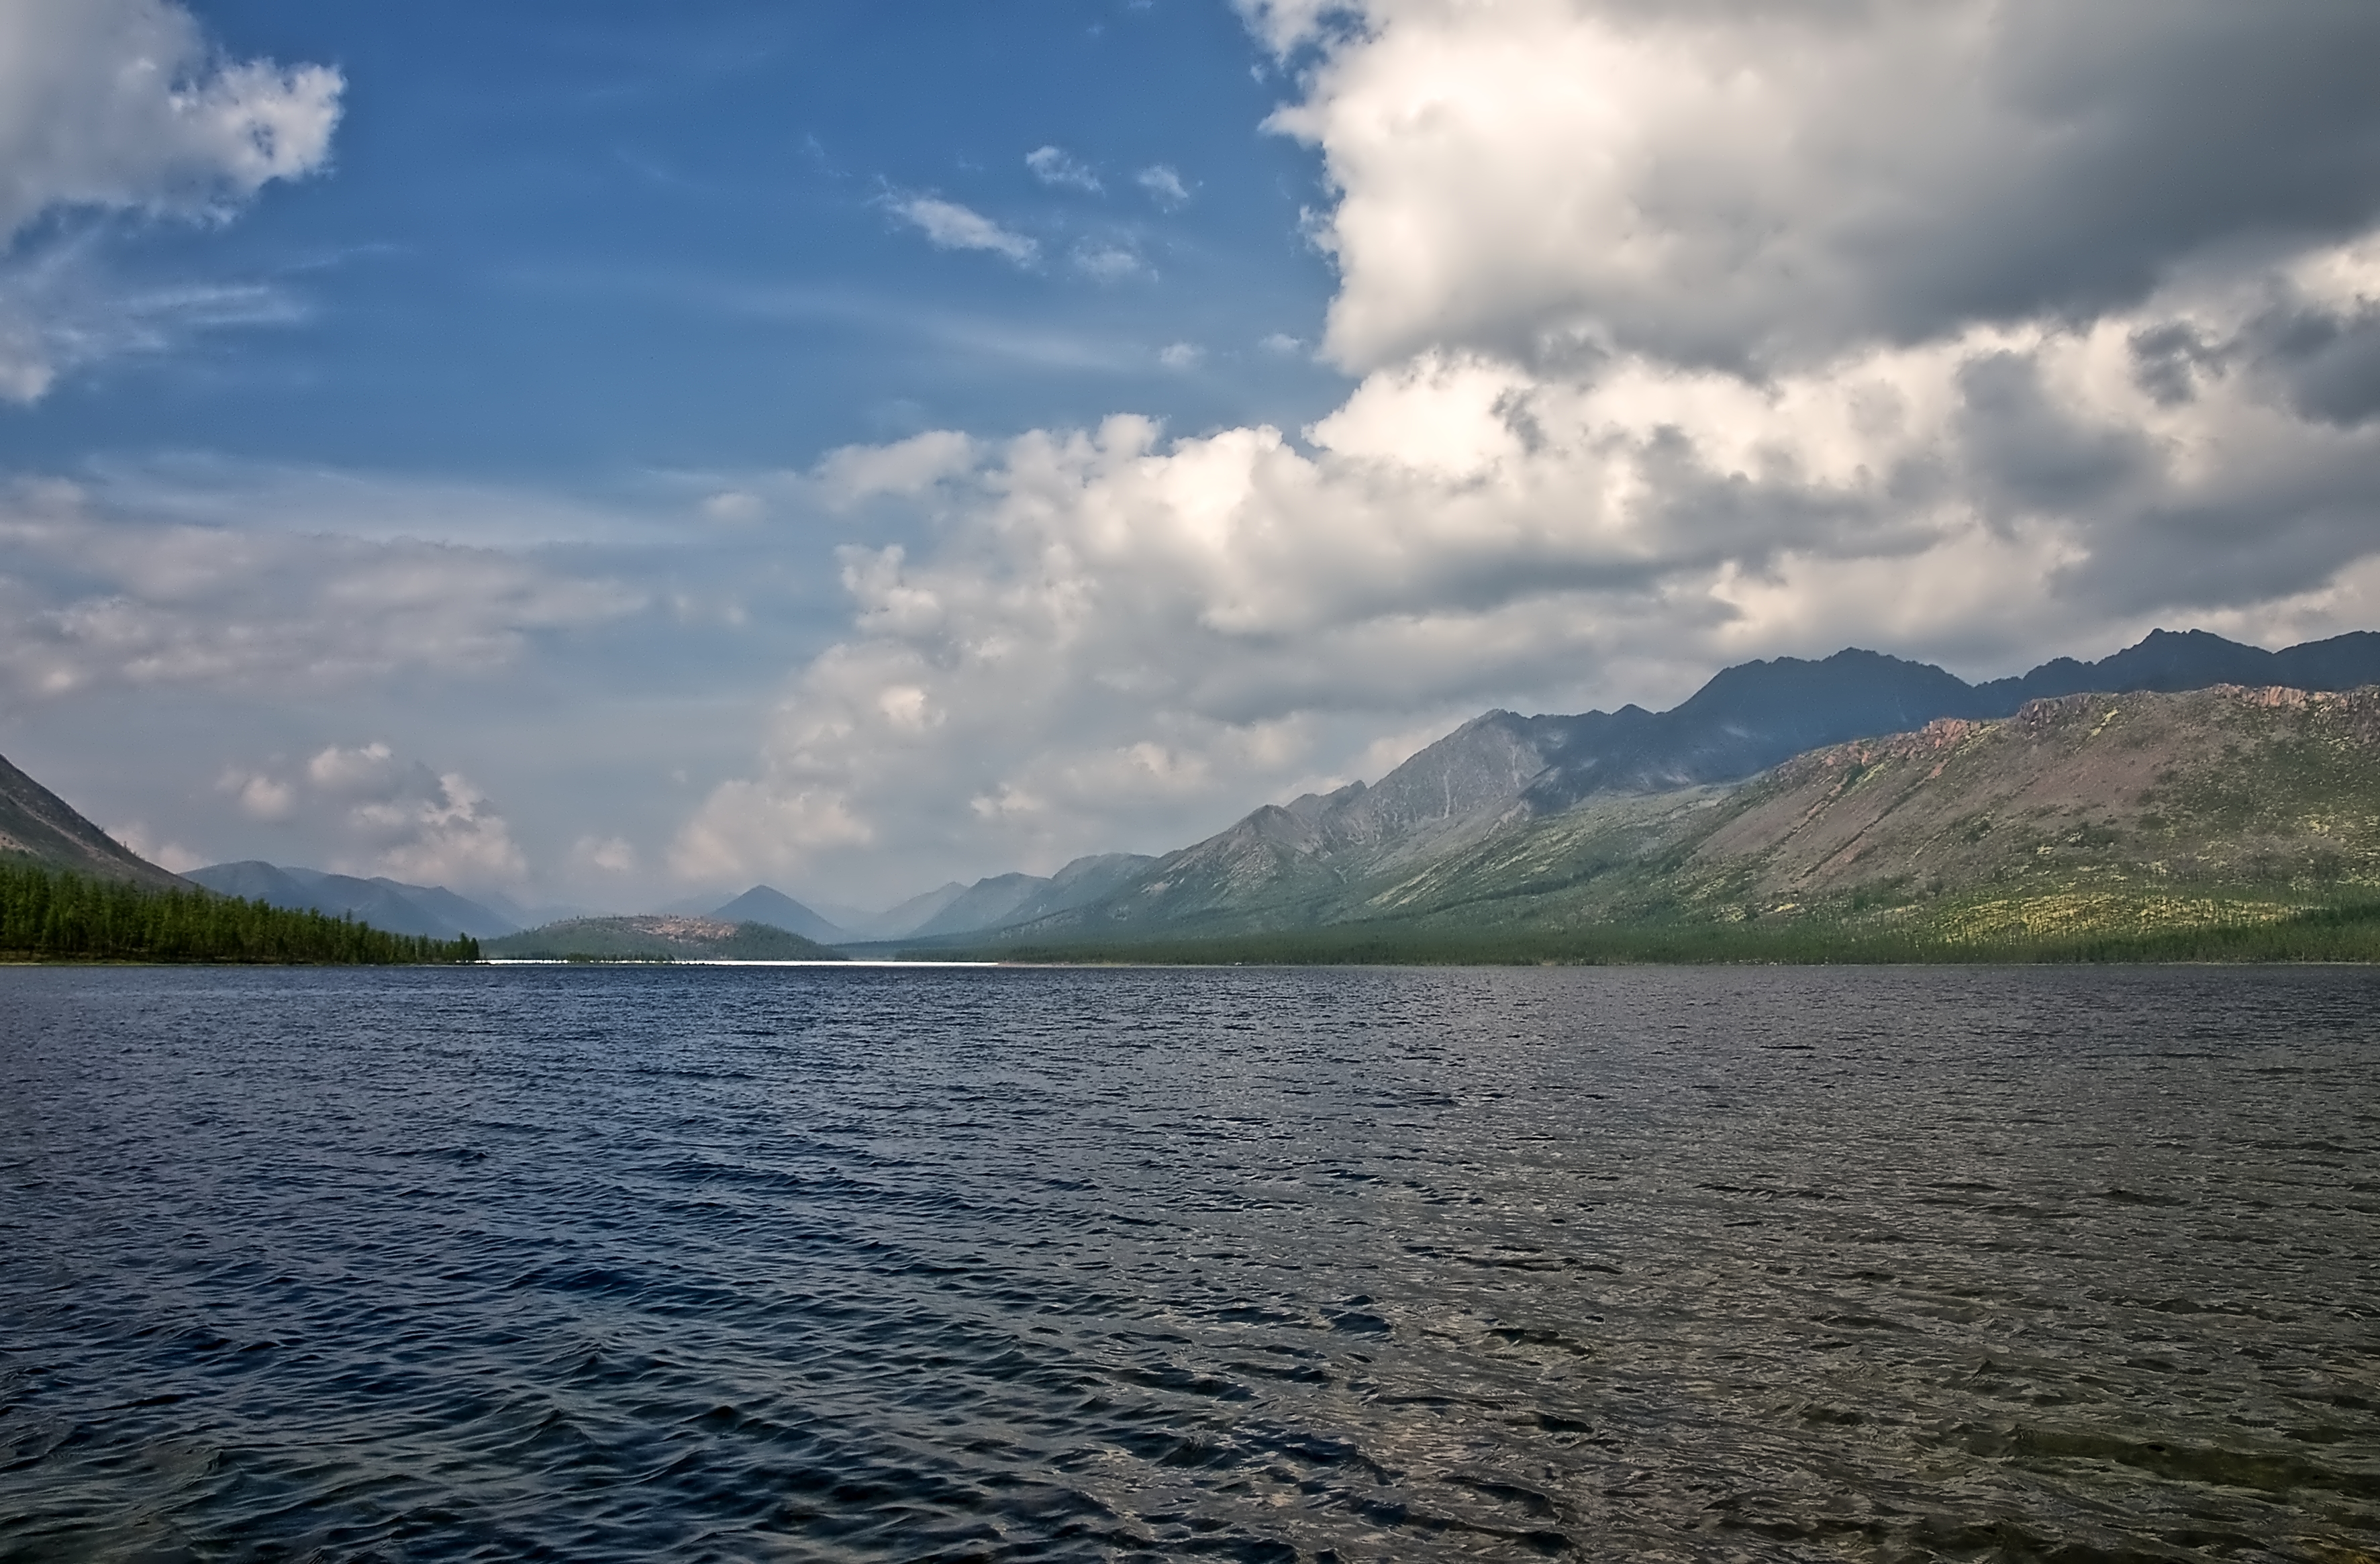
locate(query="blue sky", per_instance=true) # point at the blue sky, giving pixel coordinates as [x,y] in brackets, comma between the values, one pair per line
[609,452]
[578,242]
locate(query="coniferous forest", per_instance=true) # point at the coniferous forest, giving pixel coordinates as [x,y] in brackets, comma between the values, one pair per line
[49,915]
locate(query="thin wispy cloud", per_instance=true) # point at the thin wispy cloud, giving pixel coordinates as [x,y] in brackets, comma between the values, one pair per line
[949,225]
[61,310]
[1108,263]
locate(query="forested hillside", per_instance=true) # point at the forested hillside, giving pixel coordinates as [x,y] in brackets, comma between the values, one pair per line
[47,915]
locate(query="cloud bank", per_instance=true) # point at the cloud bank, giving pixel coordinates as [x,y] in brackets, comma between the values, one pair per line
[1687,332]
[392,816]
[92,600]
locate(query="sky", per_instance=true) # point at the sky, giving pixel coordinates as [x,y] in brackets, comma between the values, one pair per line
[606,453]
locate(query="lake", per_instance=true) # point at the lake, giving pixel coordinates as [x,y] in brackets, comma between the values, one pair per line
[1245,1264]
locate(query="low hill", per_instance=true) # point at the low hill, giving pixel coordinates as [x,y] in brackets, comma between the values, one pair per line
[431,910]
[657,938]
[37,826]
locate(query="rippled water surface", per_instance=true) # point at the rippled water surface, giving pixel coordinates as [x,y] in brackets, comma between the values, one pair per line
[906,1263]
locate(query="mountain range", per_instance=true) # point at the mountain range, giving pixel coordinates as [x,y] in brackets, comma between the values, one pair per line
[951,909]
[387,904]
[1319,858]
[1299,864]
[1478,826]
[2079,817]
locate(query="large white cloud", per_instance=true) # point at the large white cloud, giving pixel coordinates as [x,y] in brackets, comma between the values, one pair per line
[1750,184]
[383,814]
[1689,332]
[122,104]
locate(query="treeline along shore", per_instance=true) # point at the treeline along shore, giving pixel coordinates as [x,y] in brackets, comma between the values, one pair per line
[50,915]
[2348,931]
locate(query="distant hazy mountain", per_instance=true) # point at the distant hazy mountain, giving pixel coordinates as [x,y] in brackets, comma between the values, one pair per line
[527,916]
[896,922]
[37,825]
[1020,898]
[985,904]
[1282,864]
[766,905]
[2194,659]
[387,904]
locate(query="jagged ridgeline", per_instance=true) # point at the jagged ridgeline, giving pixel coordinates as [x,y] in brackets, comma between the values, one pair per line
[51,915]
[2215,824]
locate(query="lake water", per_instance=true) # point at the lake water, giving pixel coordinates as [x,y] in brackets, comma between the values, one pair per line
[729,1263]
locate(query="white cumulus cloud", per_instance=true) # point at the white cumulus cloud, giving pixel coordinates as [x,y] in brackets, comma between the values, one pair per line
[416,824]
[381,814]
[1108,261]
[122,104]
[606,855]
[910,466]
[1754,186]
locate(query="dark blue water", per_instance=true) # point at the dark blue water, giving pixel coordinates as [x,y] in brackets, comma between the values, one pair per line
[712,1264]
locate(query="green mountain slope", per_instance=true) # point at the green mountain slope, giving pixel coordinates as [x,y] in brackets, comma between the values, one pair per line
[2086,817]
[37,827]
[1309,862]
[660,937]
